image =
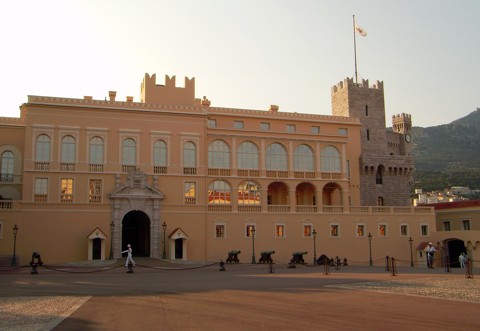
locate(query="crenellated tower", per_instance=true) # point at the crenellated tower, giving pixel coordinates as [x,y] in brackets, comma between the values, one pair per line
[386,161]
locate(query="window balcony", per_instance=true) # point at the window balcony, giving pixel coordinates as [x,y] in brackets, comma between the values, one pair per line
[40,198]
[277,173]
[128,168]
[95,199]
[6,204]
[189,171]
[218,172]
[159,170]
[248,173]
[67,166]
[92,167]
[42,166]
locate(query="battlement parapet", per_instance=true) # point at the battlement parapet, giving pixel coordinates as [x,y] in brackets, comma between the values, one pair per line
[349,83]
[169,93]
[12,121]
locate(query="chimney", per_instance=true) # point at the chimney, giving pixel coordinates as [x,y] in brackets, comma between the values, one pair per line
[112,95]
[87,97]
[129,99]
[273,108]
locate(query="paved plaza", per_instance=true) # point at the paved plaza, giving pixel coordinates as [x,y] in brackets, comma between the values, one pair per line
[197,296]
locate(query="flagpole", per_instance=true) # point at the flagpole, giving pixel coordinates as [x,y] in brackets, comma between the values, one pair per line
[355,50]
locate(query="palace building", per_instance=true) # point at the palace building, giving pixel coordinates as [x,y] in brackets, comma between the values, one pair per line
[180,179]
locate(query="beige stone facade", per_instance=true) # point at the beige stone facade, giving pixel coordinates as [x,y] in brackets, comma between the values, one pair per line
[81,175]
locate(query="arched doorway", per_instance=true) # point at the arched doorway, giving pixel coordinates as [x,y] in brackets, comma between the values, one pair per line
[136,232]
[455,247]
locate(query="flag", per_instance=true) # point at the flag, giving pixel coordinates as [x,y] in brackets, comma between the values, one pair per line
[360,31]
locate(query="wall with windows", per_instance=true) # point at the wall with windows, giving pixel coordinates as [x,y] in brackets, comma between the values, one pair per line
[222,173]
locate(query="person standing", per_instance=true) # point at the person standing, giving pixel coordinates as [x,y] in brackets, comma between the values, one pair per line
[461,260]
[129,256]
[431,255]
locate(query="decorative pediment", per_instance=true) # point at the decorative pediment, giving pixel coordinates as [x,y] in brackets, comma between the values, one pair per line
[136,186]
[178,233]
[97,233]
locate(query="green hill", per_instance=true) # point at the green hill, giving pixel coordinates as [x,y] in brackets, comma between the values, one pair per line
[448,155]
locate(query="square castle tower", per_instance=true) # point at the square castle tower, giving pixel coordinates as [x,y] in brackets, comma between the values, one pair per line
[386,162]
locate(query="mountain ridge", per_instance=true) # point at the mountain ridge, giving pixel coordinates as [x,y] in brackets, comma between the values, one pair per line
[448,154]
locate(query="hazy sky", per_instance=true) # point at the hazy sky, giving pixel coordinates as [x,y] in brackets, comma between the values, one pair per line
[247,54]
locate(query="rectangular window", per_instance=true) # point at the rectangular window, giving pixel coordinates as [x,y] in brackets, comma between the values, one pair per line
[265,126]
[279,231]
[382,230]
[343,131]
[250,230]
[334,230]
[66,186]
[315,129]
[212,123]
[220,231]
[446,226]
[424,230]
[368,134]
[360,230]
[403,230]
[307,231]
[238,124]
[95,191]
[189,193]
[41,189]
[291,128]
[466,225]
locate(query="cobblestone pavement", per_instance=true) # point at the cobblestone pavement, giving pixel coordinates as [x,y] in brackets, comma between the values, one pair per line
[56,296]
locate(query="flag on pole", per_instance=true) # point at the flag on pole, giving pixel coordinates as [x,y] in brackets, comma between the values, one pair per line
[360,31]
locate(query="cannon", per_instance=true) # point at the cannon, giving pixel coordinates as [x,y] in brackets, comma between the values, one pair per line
[233,257]
[297,257]
[266,257]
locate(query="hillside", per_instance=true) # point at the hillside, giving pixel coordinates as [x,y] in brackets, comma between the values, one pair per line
[448,155]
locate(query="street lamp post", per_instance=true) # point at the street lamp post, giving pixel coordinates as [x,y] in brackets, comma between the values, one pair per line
[252,232]
[112,226]
[314,246]
[164,252]
[411,251]
[14,257]
[370,247]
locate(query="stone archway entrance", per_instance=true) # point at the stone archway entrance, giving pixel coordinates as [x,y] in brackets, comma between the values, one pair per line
[455,247]
[136,214]
[136,232]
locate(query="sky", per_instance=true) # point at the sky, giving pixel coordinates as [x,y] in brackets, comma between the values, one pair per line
[246,54]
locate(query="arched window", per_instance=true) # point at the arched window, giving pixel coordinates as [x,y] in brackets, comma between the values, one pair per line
[247,156]
[276,157]
[42,148]
[330,159]
[189,155]
[7,160]
[303,158]
[68,149]
[219,192]
[160,153]
[248,193]
[129,152]
[96,150]
[218,155]
[379,175]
